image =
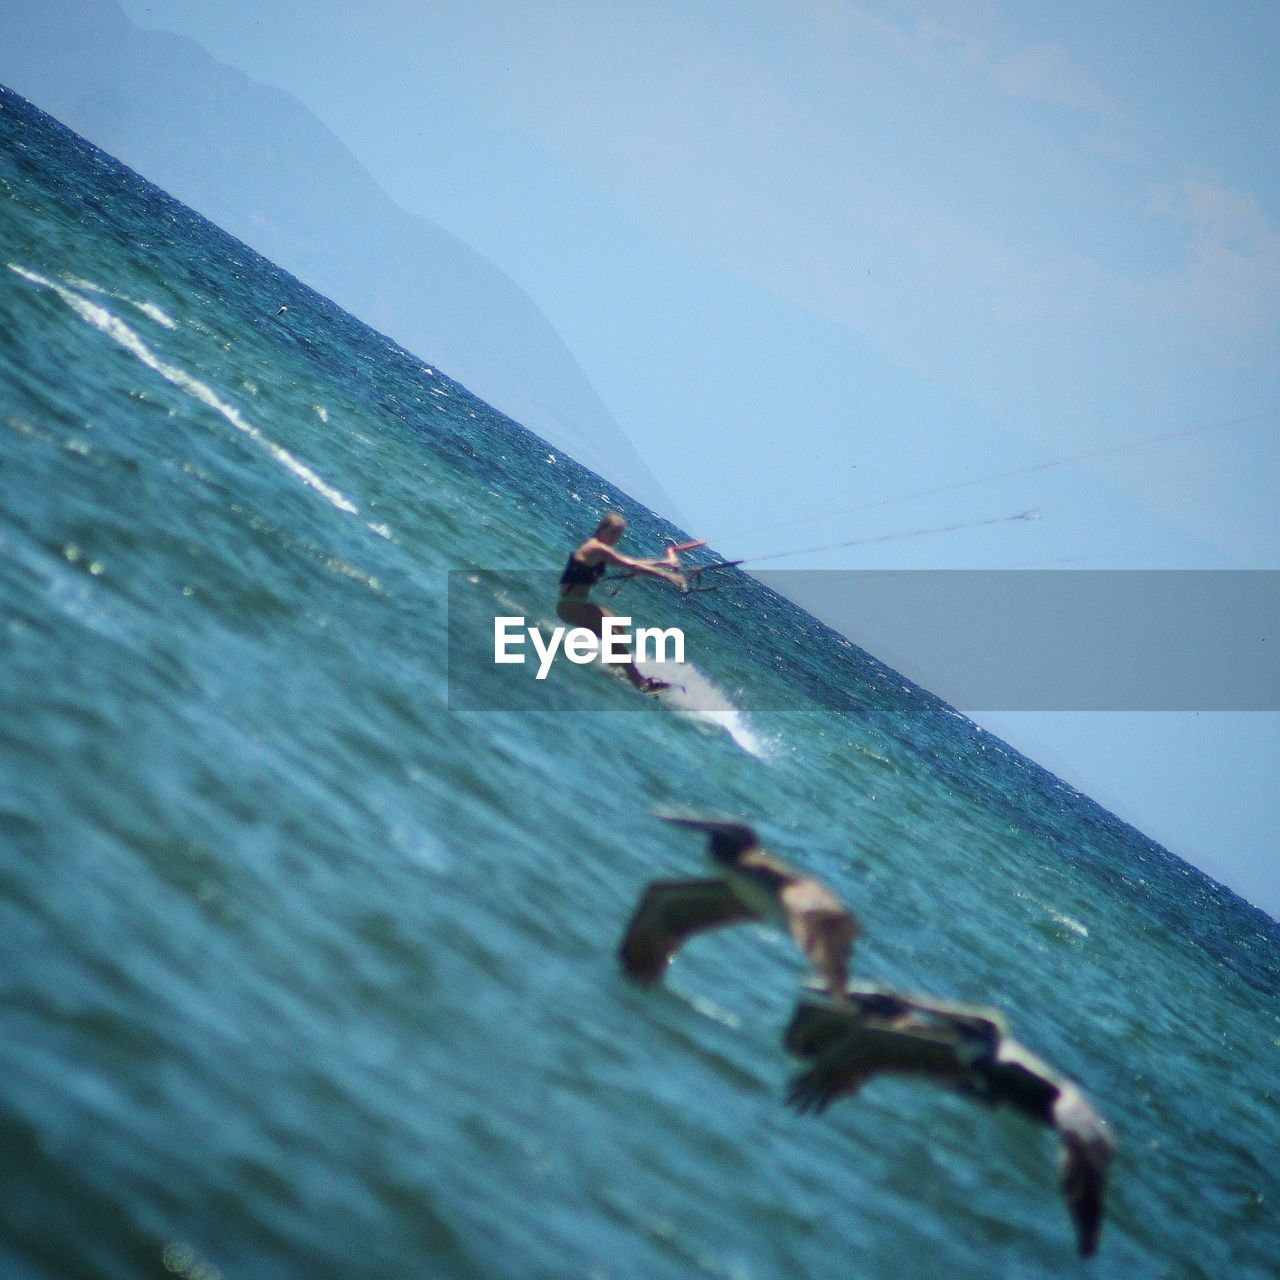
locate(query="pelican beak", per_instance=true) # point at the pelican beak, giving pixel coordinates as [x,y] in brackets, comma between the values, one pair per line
[713,826]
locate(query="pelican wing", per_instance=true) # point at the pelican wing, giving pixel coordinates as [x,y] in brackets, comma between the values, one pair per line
[823,928]
[668,914]
[873,1048]
[815,1027]
[1017,1078]
[1086,1156]
[884,1002]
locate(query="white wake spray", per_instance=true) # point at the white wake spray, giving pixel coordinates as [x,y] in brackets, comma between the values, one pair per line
[698,698]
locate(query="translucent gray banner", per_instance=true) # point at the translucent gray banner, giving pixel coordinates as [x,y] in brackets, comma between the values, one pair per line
[1063,640]
[1013,640]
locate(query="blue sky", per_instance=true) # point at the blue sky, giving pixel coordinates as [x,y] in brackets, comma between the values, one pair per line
[819,254]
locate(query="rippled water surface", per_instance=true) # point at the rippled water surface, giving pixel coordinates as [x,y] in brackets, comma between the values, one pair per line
[304,973]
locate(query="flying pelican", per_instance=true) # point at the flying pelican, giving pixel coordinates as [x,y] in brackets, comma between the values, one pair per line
[964,1048]
[751,885]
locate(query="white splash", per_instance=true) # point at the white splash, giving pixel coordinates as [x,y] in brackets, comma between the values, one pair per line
[1069,922]
[119,332]
[697,698]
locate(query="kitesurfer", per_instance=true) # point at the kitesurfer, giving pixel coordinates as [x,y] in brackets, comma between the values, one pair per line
[588,564]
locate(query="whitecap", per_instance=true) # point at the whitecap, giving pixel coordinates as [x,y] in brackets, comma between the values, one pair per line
[709,1009]
[148,309]
[1070,922]
[118,331]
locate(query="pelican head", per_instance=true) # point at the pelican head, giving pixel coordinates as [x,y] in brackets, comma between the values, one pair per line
[728,840]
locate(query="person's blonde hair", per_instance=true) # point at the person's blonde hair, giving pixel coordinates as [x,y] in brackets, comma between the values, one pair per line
[612,522]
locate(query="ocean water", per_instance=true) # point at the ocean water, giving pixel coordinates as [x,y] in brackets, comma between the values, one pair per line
[306,971]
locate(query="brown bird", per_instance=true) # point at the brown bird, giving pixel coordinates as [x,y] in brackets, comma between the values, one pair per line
[964,1048]
[750,885]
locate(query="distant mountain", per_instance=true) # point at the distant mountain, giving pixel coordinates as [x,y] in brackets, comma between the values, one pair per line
[255,161]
